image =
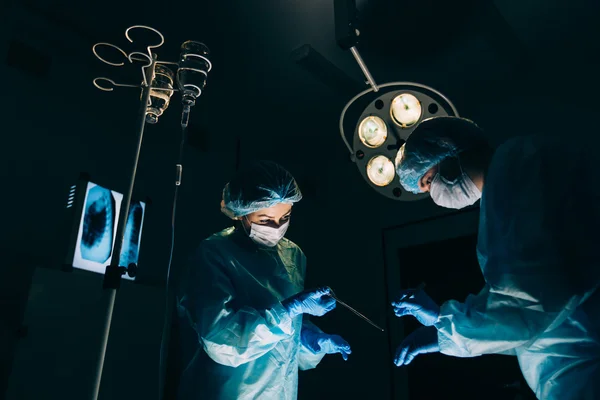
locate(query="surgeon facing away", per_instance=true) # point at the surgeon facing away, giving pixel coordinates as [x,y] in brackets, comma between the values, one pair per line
[537,249]
[242,304]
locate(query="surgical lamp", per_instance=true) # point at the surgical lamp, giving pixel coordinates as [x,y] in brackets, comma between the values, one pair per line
[385,123]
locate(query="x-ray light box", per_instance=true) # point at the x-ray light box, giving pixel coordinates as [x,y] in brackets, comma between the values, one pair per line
[96,212]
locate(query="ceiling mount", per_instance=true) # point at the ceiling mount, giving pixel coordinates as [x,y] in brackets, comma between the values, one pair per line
[390,117]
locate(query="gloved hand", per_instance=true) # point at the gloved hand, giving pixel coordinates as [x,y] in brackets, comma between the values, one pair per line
[418,304]
[314,302]
[423,340]
[318,342]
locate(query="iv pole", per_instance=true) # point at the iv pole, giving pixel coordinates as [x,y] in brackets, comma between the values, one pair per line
[114,271]
[112,277]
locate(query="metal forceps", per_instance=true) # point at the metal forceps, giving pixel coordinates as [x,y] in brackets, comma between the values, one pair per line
[332,295]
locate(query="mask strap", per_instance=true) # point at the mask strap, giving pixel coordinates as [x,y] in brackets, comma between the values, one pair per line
[466,178]
[462,171]
[460,168]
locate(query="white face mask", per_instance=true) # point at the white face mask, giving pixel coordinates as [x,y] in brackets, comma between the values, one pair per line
[458,194]
[267,235]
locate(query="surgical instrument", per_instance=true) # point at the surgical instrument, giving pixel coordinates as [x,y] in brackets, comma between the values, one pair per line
[331,294]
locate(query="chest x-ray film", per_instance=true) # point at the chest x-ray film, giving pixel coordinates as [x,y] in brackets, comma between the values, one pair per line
[98,227]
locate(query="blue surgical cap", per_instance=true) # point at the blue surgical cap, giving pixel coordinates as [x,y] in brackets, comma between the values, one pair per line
[433,141]
[259,185]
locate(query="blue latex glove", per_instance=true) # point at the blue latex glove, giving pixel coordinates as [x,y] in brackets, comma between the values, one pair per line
[318,342]
[314,302]
[423,340]
[417,304]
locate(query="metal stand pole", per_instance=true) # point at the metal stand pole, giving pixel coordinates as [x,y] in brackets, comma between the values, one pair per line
[112,277]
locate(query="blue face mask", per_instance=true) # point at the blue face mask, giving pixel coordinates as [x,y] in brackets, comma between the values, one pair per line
[457,194]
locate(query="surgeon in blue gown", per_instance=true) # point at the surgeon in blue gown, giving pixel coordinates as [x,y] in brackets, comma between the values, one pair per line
[537,249]
[242,304]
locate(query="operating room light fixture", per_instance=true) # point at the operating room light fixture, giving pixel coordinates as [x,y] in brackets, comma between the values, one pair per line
[392,111]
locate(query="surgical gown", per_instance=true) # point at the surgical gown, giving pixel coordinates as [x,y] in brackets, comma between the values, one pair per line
[538,251]
[240,341]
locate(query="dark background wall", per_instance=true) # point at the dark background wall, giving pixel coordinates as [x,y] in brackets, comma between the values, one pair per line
[515,68]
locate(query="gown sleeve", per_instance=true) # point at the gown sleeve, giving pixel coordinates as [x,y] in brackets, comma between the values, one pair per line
[307,359]
[534,250]
[230,336]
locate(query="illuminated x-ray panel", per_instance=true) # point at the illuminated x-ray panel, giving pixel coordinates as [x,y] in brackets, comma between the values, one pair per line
[133,234]
[98,226]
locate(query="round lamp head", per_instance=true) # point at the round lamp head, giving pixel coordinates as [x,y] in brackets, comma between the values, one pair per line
[406,110]
[372,132]
[381,171]
[399,156]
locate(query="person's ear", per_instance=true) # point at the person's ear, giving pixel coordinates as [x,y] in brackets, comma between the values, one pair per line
[227,212]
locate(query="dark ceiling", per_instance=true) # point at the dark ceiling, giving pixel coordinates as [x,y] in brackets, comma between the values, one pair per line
[466,49]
